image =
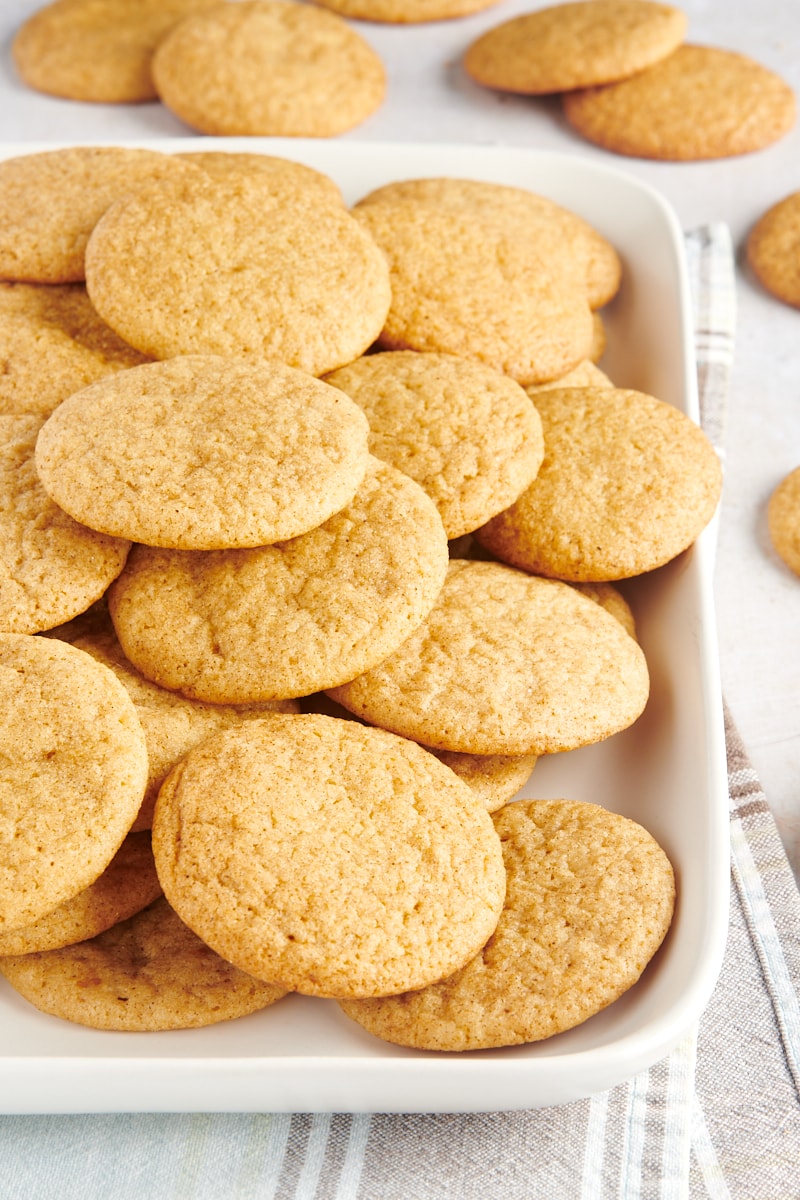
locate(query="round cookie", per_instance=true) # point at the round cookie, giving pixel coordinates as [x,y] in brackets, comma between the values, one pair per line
[204,453]
[627,483]
[783,517]
[52,343]
[268,68]
[128,884]
[334,857]
[51,567]
[144,974]
[577,45]
[506,663]
[285,175]
[74,772]
[773,249]
[51,200]
[275,622]
[468,435]
[171,723]
[589,900]
[586,374]
[96,50]
[464,283]
[495,778]
[531,216]
[221,266]
[699,103]
[405,12]
[613,601]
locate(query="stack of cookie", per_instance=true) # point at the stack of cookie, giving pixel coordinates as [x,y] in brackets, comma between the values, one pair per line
[240,502]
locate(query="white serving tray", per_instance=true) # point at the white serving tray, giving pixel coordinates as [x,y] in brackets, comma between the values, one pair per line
[668,771]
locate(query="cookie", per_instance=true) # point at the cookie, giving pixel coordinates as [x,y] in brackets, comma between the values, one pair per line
[52,343]
[773,249]
[144,974]
[51,200]
[268,68]
[528,213]
[699,103]
[204,453]
[221,266]
[336,858]
[495,778]
[505,663]
[464,283]
[468,435]
[74,772]
[285,175]
[51,567]
[627,483]
[96,50]
[276,622]
[612,600]
[406,12]
[566,46]
[171,723]
[586,374]
[589,900]
[783,517]
[128,884]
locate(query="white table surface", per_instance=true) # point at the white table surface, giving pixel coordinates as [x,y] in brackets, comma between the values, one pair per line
[430,99]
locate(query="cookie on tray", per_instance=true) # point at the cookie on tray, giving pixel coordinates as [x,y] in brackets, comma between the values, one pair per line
[464,282]
[75,768]
[699,103]
[783,516]
[96,50]
[285,175]
[406,12]
[468,434]
[282,621]
[268,68]
[531,215]
[628,482]
[51,567]
[221,265]
[577,45]
[52,343]
[128,884]
[171,723]
[773,249]
[204,453]
[506,663]
[586,374]
[495,778]
[332,856]
[51,200]
[144,974]
[589,900]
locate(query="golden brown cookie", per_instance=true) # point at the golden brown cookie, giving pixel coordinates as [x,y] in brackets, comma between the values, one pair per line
[171,723]
[275,622]
[773,249]
[204,453]
[51,200]
[405,12]
[612,600]
[96,50]
[221,266]
[144,974]
[52,343]
[463,283]
[627,483]
[268,68]
[51,567]
[128,884]
[783,515]
[467,434]
[699,103]
[286,176]
[589,900]
[495,778]
[74,772]
[586,374]
[505,663]
[336,858]
[530,215]
[577,45]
